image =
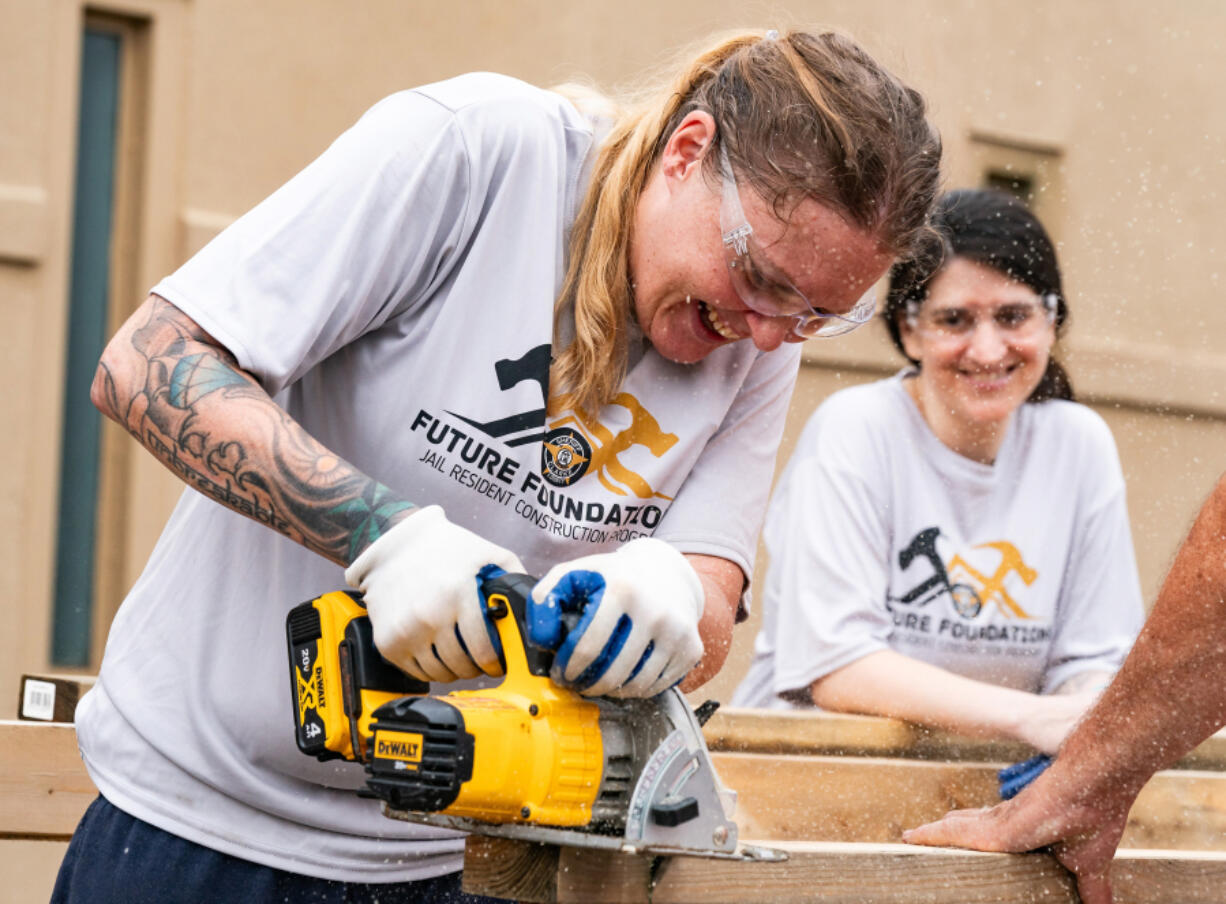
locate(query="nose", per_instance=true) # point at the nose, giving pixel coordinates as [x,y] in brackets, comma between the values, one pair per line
[987,346]
[767,333]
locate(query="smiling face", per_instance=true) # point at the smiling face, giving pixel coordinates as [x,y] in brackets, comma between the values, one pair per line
[971,381]
[684,298]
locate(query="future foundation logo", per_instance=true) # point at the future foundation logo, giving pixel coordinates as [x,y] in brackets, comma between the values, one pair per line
[574,445]
[969,592]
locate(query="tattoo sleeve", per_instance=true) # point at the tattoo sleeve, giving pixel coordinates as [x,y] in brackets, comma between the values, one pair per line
[184,397]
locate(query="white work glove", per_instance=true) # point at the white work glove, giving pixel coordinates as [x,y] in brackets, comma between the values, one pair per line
[420,585]
[624,624]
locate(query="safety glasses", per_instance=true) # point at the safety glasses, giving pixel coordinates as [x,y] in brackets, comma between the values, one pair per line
[1020,321]
[764,288]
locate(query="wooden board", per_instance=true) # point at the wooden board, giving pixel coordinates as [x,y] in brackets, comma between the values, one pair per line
[873,799]
[44,788]
[847,798]
[902,874]
[51,698]
[833,734]
[547,873]
[832,873]
[530,869]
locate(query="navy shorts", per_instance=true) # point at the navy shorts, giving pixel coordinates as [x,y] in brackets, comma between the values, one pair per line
[114,858]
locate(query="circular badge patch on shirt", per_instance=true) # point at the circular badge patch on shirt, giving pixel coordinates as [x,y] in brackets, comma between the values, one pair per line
[565,456]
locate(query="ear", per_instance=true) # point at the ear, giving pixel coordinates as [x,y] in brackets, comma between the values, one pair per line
[684,152]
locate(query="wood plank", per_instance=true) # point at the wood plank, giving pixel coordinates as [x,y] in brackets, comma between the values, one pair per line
[902,874]
[832,734]
[606,877]
[1184,809]
[44,788]
[846,874]
[51,698]
[847,798]
[1176,876]
[868,874]
[873,799]
[504,868]
[547,873]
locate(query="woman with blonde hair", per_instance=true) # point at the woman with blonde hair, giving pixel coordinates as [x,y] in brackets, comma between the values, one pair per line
[482,329]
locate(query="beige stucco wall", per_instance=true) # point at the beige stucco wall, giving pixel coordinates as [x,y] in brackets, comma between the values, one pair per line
[1120,103]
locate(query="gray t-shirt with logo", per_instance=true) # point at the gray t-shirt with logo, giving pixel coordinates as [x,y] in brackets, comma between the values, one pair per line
[1020,573]
[396,298]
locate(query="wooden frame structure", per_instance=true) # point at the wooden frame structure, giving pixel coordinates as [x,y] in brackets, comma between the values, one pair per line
[44,788]
[838,814]
[830,873]
[842,734]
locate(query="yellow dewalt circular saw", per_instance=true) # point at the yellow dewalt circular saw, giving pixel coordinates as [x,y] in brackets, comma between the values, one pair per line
[524,759]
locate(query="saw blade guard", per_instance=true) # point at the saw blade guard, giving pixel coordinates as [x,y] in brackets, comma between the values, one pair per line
[679,801]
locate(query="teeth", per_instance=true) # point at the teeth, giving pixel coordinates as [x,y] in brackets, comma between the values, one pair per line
[716,323]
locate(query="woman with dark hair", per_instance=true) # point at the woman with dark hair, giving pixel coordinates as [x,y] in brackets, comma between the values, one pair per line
[951,546]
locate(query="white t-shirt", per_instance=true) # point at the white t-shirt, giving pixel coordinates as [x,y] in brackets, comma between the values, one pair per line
[396,298]
[1020,573]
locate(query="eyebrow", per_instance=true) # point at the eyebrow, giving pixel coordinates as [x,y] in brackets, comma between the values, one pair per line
[1034,299]
[777,275]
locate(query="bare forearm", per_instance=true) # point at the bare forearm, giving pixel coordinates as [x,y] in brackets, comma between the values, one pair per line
[722,582]
[1170,693]
[186,400]
[891,684]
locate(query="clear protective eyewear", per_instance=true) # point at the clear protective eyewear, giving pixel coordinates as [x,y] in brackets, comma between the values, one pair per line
[1020,321]
[764,288]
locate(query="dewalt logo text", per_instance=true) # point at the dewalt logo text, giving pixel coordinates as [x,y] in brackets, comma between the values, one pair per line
[398,745]
[399,749]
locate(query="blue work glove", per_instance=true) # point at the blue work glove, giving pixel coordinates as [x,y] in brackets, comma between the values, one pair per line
[623,624]
[1016,777]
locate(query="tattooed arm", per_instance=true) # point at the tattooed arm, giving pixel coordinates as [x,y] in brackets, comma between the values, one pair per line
[185,399]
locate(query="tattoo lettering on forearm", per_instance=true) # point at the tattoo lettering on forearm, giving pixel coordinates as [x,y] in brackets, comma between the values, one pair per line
[221,492]
[185,398]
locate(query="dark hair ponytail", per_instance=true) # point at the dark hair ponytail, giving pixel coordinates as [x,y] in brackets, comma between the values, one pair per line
[997,230]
